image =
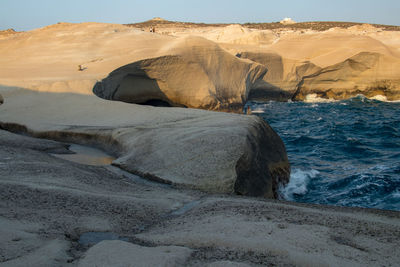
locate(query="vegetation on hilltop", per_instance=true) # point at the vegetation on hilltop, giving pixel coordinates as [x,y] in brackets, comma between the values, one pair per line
[315,25]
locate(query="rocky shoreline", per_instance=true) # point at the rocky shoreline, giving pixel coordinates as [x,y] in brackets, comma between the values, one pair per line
[214,152]
[49,204]
[201,183]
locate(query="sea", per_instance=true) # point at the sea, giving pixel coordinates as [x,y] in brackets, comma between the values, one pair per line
[344,153]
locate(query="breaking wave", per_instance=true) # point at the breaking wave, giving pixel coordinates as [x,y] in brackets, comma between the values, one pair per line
[343,153]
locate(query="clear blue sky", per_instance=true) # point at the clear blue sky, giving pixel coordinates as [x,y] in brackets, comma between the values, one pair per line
[30,14]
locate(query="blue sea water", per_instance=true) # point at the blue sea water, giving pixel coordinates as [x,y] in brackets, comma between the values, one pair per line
[344,153]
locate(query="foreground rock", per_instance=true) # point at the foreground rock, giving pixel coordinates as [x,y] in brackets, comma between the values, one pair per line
[48,204]
[211,151]
[196,73]
[124,254]
[282,233]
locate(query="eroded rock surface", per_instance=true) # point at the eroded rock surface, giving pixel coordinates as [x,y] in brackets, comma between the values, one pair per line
[195,73]
[211,151]
[370,74]
[48,204]
[282,78]
[120,253]
[281,234]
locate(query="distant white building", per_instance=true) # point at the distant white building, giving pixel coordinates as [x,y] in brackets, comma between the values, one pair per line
[287,21]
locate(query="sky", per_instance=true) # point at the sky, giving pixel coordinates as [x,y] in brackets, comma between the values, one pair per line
[23,15]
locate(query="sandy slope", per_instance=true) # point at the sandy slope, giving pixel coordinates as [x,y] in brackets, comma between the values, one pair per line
[48,58]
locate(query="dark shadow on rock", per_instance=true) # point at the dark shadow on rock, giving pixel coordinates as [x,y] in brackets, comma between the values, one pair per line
[260,171]
[131,84]
[156,103]
[264,91]
[272,61]
[140,89]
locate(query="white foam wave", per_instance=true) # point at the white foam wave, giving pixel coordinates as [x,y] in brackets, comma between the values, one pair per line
[396,194]
[298,183]
[380,98]
[258,110]
[314,98]
[379,167]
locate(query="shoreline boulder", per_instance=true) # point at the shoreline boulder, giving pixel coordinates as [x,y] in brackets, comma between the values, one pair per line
[215,152]
[195,73]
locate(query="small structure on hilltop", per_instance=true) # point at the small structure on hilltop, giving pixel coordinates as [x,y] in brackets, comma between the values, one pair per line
[287,21]
[158,19]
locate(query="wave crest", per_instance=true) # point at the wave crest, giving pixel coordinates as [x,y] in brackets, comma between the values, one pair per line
[298,183]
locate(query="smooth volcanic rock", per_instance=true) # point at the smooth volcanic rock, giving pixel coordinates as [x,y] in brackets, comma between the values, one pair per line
[282,233]
[22,245]
[119,253]
[196,73]
[227,264]
[37,190]
[211,151]
[216,153]
[370,74]
[282,78]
